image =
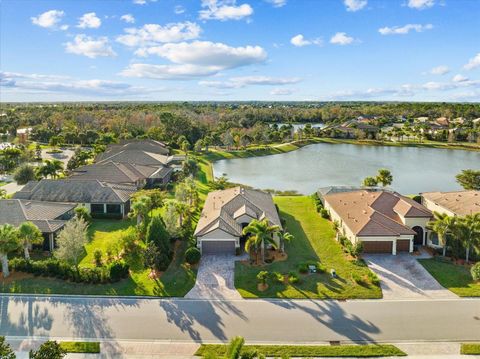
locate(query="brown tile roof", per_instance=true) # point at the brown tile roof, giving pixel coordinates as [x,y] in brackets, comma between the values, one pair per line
[376,213]
[459,202]
[223,207]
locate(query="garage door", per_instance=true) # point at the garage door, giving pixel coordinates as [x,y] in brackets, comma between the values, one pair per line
[209,247]
[377,247]
[403,245]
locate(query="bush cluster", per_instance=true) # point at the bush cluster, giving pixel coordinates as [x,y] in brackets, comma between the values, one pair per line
[475,271]
[348,247]
[293,277]
[192,255]
[52,267]
[303,267]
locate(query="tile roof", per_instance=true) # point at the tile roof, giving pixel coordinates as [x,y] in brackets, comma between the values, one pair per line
[137,157]
[146,145]
[376,213]
[45,215]
[223,207]
[75,191]
[459,202]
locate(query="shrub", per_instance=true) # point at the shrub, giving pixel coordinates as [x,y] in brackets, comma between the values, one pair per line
[277,277]
[324,213]
[373,277]
[24,174]
[82,212]
[356,249]
[262,277]
[118,270]
[97,255]
[475,271]
[303,268]
[192,255]
[293,277]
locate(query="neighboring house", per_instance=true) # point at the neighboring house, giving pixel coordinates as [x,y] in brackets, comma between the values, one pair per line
[49,217]
[23,134]
[227,212]
[384,221]
[145,145]
[124,173]
[100,198]
[138,157]
[457,203]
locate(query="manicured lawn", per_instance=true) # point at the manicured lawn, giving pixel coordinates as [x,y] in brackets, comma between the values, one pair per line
[314,240]
[453,277]
[470,349]
[81,347]
[345,351]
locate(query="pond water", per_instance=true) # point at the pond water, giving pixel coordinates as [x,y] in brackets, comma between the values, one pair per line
[319,165]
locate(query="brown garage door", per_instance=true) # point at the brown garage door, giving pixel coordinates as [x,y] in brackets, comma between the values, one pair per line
[403,245]
[377,247]
[212,247]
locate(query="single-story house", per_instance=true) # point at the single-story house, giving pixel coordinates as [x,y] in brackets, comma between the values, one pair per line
[138,157]
[124,173]
[384,221]
[227,212]
[456,203]
[100,198]
[146,145]
[49,217]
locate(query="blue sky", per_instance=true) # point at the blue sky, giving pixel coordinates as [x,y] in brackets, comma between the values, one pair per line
[402,50]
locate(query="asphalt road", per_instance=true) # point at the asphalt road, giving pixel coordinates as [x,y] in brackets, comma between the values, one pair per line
[257,320]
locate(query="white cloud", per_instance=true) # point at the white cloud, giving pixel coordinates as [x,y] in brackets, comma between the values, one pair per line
[50,20]
[299,41]
[65,84]
[355,5]
[281,92]
[420,4]
[142,2]
[403,30]
[440,70]
[459,78]
[206,53]
[277,3]
[240,82]
[473,63]
[224,10]
[198,58]
[90,47]
[128,18]
[341,38]
[179,9]
[89,20]
[151,34]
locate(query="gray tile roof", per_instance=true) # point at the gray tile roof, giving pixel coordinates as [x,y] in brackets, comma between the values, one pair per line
[146,145]
[222,208]
[45,215]
[75,191]
[137,157]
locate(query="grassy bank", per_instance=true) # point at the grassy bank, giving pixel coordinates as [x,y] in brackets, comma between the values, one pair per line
[454,277]
[314,241]
[305,351]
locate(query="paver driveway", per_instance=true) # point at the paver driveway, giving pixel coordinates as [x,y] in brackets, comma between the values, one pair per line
[402,277]
[215,278]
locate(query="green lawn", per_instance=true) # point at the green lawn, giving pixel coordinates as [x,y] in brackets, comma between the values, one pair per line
[470,349]
[345,351]
[314,240]
[453,277]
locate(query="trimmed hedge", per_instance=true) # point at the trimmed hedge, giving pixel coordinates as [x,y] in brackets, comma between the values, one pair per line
[81,347]
[58,269]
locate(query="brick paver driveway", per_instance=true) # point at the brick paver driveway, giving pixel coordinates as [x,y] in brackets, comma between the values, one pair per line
[403,277]
[215,278]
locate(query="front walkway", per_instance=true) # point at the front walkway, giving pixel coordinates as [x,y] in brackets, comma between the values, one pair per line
[402,277]
[215,278]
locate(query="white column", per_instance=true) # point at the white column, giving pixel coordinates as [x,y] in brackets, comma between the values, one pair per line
[394,247]
[104,208]
[411,246]
[52,242]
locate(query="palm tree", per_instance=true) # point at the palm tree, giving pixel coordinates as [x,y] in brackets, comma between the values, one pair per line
[29,233]
[140,209]
[183,210]
[260,233]
[384,177]
[468,230]
[283,237]
[3,193]
[8,243]
[442,224]
[370,182]
[50,168]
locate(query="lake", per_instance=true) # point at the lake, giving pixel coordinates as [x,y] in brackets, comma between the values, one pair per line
[414,169]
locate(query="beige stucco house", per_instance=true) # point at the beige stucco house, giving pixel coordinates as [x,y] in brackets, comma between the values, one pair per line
[227,212]
[384,221]
[456,203]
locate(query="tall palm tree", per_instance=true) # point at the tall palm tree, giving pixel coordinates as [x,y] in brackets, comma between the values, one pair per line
[442,224]
[260,233]
[469,232]
[29,233]
[50,168]
[384,177]
[140,209]
[8,243]
[183,210]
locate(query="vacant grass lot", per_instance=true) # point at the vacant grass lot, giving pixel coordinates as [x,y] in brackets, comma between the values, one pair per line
[453,277]
[304,351]
[314,240]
